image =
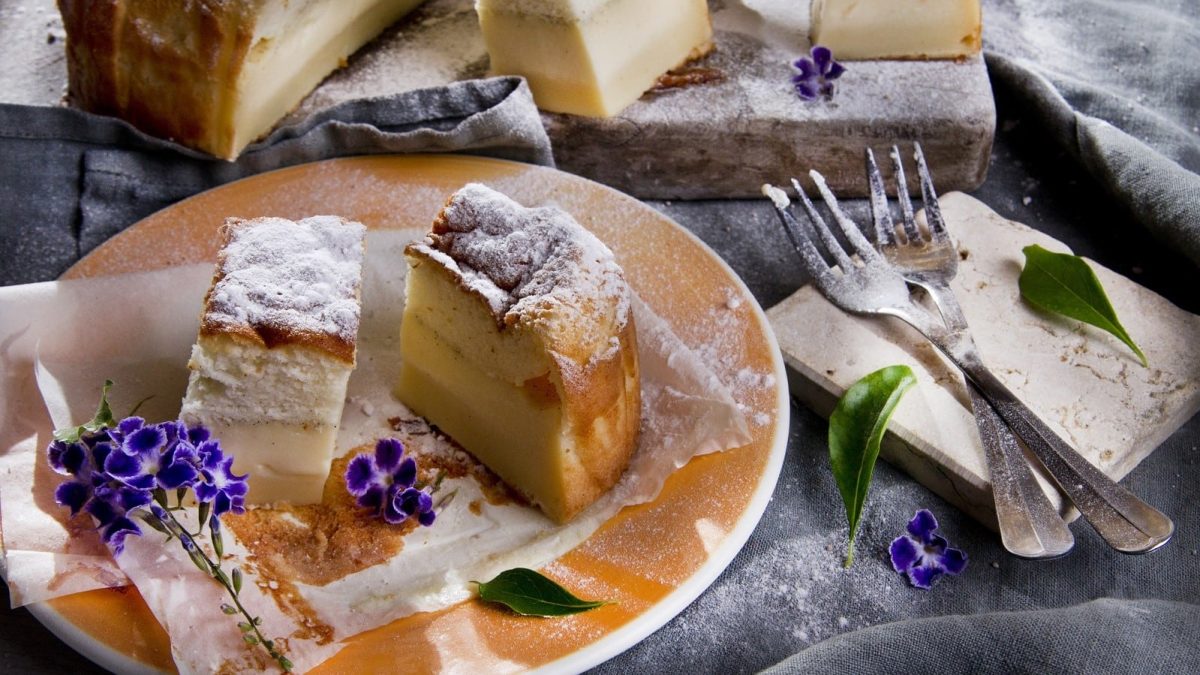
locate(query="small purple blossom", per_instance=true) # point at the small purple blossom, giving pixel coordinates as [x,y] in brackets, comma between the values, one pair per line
[816,76]
[117,471]
[923,556]
[217,482]
[384,483]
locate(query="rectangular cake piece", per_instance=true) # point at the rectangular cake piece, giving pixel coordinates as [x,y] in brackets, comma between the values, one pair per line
[518,341]
[592,57]
[276,348]
[897,29]
[211,75]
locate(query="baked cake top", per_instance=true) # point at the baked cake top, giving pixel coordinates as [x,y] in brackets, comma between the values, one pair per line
[282,282]
[534,267]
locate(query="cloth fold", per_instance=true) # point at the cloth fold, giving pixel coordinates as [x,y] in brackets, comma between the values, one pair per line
[1120,91]
[82,178]
[1102,636]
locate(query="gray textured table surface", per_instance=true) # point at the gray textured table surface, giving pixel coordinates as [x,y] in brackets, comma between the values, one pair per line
[786,589]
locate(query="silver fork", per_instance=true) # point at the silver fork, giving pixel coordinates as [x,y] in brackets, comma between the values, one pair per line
[1030,527]
[870,286]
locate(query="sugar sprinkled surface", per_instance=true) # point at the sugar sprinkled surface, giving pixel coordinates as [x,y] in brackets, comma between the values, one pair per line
[299,276]
[525,261]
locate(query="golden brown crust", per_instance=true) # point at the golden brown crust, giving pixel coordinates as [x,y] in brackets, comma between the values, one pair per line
[154,64]
[600,394]
[265,334]
[602,406]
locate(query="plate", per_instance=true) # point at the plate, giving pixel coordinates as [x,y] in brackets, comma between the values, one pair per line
[653,559]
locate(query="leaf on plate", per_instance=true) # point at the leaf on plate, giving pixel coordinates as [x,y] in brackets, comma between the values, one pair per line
[855,431]
[527,592]
[102,419]
[1064,284]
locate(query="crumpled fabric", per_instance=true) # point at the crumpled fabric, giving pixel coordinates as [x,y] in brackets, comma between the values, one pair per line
[1117,85]
[70,180]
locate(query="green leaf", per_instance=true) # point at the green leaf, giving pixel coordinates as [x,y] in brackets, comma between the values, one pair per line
[1064,284]
[237,580]
[102,419]
[855,431]
[228,609]
[527,592]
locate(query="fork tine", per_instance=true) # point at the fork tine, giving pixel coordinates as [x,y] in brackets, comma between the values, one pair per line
[863,247]
[933,212]
[906,209]
[885,227]
[813,262]
[818,223]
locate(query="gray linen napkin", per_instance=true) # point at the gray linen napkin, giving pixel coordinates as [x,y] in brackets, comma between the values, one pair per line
[69,180]
[1118,85]
[1102,636]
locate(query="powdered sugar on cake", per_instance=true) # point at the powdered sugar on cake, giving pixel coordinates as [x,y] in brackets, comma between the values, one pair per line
[294,277]
[528,264]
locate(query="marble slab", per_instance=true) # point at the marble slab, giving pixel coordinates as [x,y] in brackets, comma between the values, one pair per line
[1088,386]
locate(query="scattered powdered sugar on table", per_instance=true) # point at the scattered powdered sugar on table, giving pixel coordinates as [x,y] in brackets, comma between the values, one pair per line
[301,277]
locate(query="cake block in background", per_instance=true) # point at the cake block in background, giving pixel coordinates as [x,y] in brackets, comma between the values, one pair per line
[213,76]
[592,57]
[898,29]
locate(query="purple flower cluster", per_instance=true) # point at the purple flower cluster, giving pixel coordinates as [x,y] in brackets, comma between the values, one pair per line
[384,482]
[817,74]
[117,471]
[923,556]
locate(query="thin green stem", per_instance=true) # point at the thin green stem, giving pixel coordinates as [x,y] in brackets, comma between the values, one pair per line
[215,571]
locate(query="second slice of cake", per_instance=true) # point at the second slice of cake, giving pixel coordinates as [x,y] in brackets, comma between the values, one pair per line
[276,348]
[518,341]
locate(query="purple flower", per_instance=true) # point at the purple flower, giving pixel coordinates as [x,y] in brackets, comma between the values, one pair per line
[217,482]
[923,556]
[817,74]
[383,482]
[117,469]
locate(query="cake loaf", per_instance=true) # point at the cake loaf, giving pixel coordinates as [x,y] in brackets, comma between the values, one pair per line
[898,29]
[211,74]
[592,57]
[518,341]
[277,344]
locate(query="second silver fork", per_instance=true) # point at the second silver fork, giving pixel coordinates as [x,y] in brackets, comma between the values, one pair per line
[869,285]
[1030,527]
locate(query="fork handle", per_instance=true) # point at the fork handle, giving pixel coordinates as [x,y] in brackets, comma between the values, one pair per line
[1127,523]
[1030,526]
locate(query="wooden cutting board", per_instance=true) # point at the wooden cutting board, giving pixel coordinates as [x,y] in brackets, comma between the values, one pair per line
[723,139]
[1084,383]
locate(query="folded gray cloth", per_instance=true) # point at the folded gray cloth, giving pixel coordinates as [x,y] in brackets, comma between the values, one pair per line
[1117,85]
[69,180]
[1102,636]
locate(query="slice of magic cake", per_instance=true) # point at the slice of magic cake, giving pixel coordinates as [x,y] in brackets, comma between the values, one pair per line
[518,341]
[276,348]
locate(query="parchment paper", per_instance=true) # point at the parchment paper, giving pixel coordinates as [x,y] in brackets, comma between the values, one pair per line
[59,341]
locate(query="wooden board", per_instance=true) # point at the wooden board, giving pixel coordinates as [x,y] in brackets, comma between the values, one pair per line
[1084,383]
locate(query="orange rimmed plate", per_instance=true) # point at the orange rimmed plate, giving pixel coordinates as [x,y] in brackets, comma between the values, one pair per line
[652,559]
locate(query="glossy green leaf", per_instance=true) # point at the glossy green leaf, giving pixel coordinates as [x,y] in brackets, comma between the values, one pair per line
[527,592]
[855,431]
[102,419]
[1064,284]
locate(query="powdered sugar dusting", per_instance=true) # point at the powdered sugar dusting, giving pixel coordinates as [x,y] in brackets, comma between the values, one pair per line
[529,264]
[301,277]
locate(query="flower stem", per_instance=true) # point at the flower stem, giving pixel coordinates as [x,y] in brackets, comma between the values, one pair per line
[214,570]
